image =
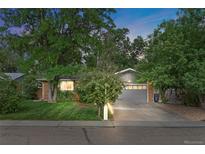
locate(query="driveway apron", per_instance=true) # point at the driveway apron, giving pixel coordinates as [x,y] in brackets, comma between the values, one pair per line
[129,107]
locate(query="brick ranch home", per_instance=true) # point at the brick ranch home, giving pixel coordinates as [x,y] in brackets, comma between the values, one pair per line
[144,91]
[66,83]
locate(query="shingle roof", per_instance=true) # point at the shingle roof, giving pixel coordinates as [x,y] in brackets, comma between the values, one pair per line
[14,76]
[61,78]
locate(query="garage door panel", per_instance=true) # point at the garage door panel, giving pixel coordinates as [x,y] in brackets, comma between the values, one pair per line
[136,87]
[133,97]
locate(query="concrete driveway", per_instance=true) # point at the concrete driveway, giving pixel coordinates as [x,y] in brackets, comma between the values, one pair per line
[129,107]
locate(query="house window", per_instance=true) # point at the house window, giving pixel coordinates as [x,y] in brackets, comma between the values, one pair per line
[66,85]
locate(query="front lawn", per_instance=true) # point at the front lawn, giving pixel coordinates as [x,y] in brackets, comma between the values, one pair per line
[52,111]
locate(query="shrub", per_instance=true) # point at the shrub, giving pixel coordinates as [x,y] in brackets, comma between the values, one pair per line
[9,97]
[65,95]
[30,87]
[190,99]
[99,88]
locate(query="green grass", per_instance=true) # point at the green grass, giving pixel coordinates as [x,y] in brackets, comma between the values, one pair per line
[52,111]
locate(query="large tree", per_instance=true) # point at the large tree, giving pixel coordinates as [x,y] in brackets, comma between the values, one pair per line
[112,52]
[176,54]
[8,58]
[138,46]
[48,38]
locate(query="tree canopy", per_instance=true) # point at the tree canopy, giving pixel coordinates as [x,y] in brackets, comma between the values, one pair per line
[51,37]
[175,56]
[47,39]
[44,38]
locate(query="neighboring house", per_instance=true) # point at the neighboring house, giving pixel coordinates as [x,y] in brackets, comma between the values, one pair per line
[17,77]
[14,76]
[66,83]
[143,92]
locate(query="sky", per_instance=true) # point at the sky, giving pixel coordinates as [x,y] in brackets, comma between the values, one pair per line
[142,21]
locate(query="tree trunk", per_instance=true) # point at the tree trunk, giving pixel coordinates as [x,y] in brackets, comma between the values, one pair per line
[201,98]
[52,92]
[163,96]
[99,111]
[49,93]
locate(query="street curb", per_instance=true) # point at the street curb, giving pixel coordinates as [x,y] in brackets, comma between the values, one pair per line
[164,124]
[56,123]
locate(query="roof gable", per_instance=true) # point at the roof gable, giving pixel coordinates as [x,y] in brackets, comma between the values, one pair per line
[14,76]
[126,70]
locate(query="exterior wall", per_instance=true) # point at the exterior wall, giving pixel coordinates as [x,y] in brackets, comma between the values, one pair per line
[39,93]
[45,90]
[150,93]
[42,93]
[128,76]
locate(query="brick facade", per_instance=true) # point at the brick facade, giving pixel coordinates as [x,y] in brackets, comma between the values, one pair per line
[42,93]
[39,93]
[45,90]
[150,93]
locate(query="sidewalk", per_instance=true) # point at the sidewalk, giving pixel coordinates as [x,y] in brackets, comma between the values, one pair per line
[7,123]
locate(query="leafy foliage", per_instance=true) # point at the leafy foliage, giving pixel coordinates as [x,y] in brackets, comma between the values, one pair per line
[50,40]
[8,58]
[50,37]
[30,87]
[65,96]
[9,97]
[99,88]
[115,51]
[175,55]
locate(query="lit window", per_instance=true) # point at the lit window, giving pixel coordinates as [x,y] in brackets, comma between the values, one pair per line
[66,85]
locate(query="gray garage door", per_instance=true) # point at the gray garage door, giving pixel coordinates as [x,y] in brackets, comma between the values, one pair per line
[133,96]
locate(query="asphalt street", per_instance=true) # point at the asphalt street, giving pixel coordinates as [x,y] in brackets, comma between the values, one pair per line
[50,135]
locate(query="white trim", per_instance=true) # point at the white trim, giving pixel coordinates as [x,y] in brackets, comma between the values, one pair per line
[126,70]
[105,112]
[66,80]
[135,84]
